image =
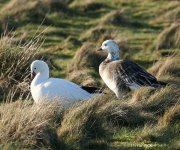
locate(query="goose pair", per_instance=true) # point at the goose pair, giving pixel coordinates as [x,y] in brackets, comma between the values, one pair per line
[120,76]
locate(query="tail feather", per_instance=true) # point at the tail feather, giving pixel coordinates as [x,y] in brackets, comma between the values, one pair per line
[162,84]
[91,89]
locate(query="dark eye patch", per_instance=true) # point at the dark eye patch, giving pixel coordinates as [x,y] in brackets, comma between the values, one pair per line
[35,68]
[105,44]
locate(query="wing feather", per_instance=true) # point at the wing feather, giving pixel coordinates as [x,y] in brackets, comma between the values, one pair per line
[134,75]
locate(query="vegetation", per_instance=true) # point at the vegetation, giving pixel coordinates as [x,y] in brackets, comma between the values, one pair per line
[66,35]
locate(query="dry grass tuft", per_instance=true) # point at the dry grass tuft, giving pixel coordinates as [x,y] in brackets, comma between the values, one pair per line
[115,17]
[140,95]
[88,5]
[159,100]
[85,59]
[155,101]
[168,69]
[169,13]
[166,129]
[70,42]
[163,104]
[82,123]
[30,125]
[170,116]
[162,99]
[16,58]
[95,33]
[169,38]
[94,119]
[173,14]
[20,11]
[87,56]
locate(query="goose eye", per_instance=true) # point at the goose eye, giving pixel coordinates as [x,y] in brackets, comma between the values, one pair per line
[105,44]
[34,68]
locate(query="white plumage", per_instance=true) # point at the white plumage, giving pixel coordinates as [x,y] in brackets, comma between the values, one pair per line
[45,88]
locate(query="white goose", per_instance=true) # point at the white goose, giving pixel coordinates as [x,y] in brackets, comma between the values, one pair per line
[45,88]
[122,76]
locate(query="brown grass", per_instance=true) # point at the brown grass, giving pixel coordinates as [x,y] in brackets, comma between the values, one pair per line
[85,59]
[163,104]
[30,125]
[169,38]
[86,6]
[170,116]
[94,34]
[115,17]
[23,11]
[15,58]
[166,129]
[168,14]
[168,69]
[92,119]
[87,56]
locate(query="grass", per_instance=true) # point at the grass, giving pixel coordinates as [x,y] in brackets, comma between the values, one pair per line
[16,57]
[169,37]
[26,125]
[147,32]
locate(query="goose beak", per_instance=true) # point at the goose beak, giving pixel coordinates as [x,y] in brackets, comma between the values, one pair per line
[99,49]
[33,74]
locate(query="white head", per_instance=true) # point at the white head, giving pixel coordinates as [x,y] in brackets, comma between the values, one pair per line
[111,47]
[39,66]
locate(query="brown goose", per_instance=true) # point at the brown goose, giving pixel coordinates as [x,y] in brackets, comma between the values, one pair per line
[121,76]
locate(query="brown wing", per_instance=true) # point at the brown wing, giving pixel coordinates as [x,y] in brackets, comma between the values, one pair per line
[132,74]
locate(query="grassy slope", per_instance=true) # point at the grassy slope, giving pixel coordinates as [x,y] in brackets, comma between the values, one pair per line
[65,33]
[62,25]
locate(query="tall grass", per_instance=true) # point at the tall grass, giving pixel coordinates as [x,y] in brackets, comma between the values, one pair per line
[16,57]
[22,11]
[169,38]
[25,125]
[85,61]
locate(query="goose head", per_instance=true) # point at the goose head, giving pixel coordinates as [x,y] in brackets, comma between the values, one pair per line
[109,46]
[39,67]
[112,48]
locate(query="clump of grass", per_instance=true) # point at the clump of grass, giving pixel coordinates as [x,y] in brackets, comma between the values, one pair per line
[166,130]
[162,99]
[16,58]
[169,38]
[85,59]
[168,14]
[71,43]
[95,33]
[29,126]
[167,69]
[170,116]
[22,11]
[87,6]
[87,56]
[93,119]
[173,14]
[163,105]
[81,124]
[140,95]
[115,17]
